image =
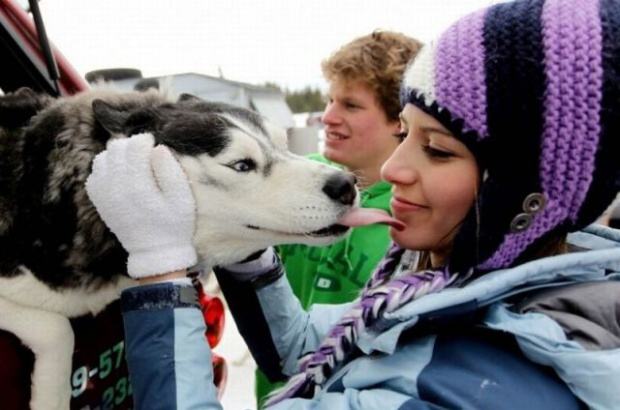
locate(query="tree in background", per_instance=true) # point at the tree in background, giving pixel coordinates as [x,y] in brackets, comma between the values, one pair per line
[308,99]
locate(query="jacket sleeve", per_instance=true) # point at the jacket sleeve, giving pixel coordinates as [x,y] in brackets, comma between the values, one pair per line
[353,399]
[271,320]
[168,356]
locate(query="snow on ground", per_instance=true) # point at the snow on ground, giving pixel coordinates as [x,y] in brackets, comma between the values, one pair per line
[239,391]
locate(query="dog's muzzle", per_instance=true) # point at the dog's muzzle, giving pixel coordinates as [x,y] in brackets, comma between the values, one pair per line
[341,188]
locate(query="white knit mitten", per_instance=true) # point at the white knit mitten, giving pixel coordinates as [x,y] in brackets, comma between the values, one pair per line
[143,195]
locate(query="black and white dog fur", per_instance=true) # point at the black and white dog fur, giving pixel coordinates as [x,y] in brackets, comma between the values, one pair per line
[57,258]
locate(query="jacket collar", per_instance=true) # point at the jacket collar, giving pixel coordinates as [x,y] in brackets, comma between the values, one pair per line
[600,262]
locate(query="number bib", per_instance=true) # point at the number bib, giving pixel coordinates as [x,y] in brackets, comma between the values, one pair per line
[99,379]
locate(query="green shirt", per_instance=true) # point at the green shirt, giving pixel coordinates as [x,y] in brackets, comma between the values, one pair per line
[335,273]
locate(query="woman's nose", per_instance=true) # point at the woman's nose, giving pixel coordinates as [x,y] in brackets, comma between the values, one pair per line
[398,169]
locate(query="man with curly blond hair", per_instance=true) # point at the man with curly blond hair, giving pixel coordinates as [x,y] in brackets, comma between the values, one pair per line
[361,131]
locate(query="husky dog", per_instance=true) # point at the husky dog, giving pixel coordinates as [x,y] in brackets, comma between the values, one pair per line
[58,259]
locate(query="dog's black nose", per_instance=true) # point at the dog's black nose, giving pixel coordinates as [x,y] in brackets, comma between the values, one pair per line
[341,188]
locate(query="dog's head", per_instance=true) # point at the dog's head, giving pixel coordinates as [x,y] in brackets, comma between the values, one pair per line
[250,191]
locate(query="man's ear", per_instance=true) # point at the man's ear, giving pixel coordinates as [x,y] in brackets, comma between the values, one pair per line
[110,117]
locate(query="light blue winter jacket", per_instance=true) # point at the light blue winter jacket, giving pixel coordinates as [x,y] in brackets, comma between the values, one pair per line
[545,334]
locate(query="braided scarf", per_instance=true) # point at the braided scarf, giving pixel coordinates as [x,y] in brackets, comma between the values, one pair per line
[381,295]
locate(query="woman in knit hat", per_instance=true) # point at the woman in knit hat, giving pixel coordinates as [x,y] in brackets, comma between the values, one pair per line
[496,294]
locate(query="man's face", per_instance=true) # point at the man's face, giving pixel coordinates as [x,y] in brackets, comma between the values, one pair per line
[358,132]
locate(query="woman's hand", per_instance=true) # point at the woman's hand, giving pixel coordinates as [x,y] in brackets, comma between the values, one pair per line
[143,195]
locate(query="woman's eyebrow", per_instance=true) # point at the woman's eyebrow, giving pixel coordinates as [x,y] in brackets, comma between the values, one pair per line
[402,118]
[436,130]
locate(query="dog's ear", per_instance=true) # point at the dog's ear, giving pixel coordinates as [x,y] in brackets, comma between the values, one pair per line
[119,120]
[25,93]
[110,117]
[189,97]
[17,108]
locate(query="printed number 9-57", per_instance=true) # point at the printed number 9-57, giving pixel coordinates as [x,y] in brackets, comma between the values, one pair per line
[109,360]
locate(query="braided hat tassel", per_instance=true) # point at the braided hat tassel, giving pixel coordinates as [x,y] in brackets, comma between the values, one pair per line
[317,367]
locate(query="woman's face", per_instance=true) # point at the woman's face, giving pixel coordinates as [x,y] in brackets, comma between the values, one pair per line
[435,179]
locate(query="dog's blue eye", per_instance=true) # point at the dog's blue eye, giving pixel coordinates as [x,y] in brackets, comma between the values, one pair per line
[243,165]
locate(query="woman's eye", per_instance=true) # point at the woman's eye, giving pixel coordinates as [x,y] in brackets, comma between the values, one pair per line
[400,136]
[243,165]
[437,153]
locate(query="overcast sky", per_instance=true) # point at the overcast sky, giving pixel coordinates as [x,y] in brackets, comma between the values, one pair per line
[248,40]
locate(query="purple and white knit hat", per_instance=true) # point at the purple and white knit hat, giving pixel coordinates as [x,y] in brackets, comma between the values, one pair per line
[533,89]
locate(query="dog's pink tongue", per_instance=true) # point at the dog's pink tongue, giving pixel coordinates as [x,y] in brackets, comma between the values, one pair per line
[367,216]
